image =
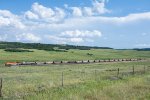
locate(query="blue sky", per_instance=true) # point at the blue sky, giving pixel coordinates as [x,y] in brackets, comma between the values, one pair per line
[109,23]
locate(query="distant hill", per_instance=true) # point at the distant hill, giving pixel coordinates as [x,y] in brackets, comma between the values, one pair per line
[142,49]
[48,47]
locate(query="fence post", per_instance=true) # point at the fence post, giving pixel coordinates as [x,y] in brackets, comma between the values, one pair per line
[118,72]
[95,75]
[133,70]
[62,79]
[61,62]
[144,69]
[1,85]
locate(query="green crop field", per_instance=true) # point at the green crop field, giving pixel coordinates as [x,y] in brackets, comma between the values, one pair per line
[100,81]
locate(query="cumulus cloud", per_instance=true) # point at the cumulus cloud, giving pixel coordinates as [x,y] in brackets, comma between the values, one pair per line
[76,36]
[41,13]
[31,15]
[97,8]
[84,15]
[7,19]
[76,40]
[25,37]
[76,11]
[87,11]
[82,33]
[102,20]
[64,40]
[135,17]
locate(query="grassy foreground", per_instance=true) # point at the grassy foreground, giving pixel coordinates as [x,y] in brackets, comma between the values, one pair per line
[81,82]
[76,82]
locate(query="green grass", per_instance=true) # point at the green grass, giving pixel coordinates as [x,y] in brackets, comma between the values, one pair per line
[89,81]
[81,82]
[130,88]
[41,55]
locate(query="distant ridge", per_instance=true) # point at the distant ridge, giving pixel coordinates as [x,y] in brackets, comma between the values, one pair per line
[48,47]
[142,49]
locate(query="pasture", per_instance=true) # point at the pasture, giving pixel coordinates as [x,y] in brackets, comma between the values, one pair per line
[71,55]
[100,81]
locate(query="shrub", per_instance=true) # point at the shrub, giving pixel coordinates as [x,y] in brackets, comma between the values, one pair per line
[17,50]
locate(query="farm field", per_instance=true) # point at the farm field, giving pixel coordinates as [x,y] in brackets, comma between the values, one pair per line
[71,55]
[101,81]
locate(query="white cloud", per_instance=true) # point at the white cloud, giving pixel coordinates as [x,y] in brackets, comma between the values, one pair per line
[64,40]
[87,11]
[27,37]
[31,15]
[76,40]
[76,11]
[7,19]
[102,20]
[41,13]
[80,33]
[84,15]
[59,14]
[97,8]
[76,36]
[44,14]
[133,17]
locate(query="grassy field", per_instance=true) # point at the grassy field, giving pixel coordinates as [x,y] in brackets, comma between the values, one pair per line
[99,81]
[41,55]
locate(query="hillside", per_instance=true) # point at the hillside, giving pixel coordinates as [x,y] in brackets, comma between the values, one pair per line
[48,47]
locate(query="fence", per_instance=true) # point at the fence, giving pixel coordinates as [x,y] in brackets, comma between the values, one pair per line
[1,85]
[98,75]
[68,77]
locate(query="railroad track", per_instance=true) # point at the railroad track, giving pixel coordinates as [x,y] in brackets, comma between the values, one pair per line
[11,64]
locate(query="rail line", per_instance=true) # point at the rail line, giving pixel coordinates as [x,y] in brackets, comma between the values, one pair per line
[10,64]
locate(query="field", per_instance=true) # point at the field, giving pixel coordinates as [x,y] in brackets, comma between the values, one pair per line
[101,81]
[41,55]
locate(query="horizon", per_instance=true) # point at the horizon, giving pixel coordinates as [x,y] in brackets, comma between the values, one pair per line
[102,23]
[76,45]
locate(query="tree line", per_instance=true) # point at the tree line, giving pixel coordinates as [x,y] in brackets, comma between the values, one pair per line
[48,47]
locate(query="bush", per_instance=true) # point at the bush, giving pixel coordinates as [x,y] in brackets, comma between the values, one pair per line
[89,54]
[17,50]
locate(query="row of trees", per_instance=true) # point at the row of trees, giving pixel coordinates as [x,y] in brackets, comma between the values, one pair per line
[48,47]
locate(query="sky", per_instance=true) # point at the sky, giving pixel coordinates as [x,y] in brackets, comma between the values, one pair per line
[120,24]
